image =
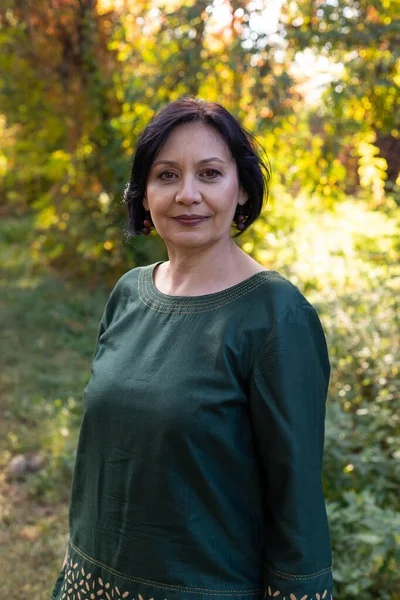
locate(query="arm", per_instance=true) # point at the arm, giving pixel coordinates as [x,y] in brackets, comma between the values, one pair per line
[100,330]
[287,405]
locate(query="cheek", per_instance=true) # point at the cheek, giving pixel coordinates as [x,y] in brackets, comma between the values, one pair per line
[230,190]
[154,196]
[227,198]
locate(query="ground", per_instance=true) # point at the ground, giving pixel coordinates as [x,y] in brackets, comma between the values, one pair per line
[48,334]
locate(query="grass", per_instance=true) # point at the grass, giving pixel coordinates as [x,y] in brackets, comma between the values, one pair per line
[48,333]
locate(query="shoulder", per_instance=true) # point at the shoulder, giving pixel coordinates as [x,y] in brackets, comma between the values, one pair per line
[127,284]
[274,308]
[290,323]
[274,296]
[124,292]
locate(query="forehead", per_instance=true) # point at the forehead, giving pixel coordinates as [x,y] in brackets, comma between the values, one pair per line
[195,139]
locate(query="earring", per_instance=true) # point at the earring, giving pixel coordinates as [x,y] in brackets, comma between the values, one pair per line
[147,225]
[240,220]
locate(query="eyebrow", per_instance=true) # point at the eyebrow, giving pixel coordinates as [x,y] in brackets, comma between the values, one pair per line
[200,162]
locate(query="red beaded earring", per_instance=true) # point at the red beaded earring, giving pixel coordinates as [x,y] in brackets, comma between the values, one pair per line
[240,220]
[147,225]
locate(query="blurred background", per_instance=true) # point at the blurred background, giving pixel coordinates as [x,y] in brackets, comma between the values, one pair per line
[317,81]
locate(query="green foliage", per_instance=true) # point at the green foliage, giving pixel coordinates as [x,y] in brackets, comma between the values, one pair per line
[361,105]
[69,120]
[364,334]
[362,456]
[364,38]
[48,326]
[58,441]
[365,542]
[70,117]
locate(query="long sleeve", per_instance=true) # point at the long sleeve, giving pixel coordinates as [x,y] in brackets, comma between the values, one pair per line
[287,406]
[111,308]
[101,328]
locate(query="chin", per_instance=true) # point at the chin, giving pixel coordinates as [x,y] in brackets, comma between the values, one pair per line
[189,239]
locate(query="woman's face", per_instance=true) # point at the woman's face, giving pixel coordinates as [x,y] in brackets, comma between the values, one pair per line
[193,188]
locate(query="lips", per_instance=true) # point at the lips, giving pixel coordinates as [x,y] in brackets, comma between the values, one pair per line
[190,220]
[188,217]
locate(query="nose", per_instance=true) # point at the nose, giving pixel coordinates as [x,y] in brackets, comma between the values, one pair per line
[188,192]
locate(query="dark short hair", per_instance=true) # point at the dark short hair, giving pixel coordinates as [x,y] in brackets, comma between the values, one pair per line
[253,172]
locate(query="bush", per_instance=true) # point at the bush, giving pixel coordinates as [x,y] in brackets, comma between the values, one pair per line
[365,543]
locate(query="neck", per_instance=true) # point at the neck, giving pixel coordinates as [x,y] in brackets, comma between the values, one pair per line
[201,271]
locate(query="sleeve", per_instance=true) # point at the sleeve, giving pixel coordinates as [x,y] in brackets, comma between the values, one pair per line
[106,319]
[115,305]
[287,406]
[101,328]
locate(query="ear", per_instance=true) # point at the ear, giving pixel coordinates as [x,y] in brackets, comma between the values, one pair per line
[145,202]
[242,197]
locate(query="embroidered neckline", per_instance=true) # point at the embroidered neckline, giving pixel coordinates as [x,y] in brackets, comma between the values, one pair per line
[164,303]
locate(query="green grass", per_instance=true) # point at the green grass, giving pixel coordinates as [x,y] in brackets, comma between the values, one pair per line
[48,330]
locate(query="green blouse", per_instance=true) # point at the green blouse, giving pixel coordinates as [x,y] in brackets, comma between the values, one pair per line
[198,470]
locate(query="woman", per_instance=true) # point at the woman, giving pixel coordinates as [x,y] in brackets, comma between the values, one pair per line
[198,471]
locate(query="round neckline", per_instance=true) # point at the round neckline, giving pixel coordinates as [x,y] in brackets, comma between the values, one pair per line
[161,302]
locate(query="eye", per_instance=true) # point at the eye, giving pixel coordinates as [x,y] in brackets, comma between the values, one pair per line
[211,173]
[167,175]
